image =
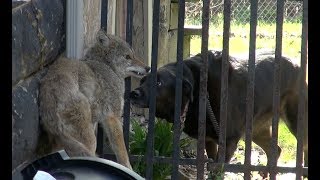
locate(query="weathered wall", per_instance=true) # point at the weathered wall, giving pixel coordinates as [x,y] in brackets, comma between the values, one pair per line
[91,21]
[163,44]
[38,37]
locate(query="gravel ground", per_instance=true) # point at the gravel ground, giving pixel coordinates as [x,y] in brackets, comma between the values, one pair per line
[258,157]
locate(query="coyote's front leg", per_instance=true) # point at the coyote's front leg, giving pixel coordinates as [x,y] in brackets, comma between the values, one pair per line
[113,128]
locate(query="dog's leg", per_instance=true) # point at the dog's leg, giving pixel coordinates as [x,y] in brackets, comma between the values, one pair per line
[231,146]
[291,118]
[211,148]
[262,137]
[113,128]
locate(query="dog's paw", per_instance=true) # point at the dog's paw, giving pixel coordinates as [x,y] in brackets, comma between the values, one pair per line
[264,175]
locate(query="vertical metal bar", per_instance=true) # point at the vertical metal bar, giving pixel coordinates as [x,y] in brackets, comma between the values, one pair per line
[203,90]
[100,135]
[224,81]
[126,112]
[250,87]
[126,108]
[302,95]
[152,100]
[276,91]
[100,140]
[178,96]
[129,21]
[104,14]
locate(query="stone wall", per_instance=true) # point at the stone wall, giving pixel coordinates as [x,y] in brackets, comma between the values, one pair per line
[38,37]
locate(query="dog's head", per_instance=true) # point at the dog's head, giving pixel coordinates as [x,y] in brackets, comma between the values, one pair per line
[165,91]
[117,53]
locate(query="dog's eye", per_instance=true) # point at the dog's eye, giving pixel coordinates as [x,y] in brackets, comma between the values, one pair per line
[128,57]
[158,83]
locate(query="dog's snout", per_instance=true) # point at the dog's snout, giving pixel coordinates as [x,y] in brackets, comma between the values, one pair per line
[135,94]
[148,69]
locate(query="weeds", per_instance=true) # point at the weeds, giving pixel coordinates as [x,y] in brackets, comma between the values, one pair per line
[163,146]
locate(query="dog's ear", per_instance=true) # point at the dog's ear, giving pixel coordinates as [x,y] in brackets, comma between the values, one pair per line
[188,89]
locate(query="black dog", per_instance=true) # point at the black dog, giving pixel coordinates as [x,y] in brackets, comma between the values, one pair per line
[236,105]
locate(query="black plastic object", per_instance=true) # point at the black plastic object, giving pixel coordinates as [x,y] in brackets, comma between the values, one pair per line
[62,167]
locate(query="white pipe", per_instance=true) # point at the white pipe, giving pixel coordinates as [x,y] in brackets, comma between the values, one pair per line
[147,13]
[74,29]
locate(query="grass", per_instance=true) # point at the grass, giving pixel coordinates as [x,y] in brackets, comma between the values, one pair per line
[286,141]
[239,39]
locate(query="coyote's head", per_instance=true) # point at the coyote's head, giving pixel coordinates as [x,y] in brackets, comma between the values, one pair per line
[118,54]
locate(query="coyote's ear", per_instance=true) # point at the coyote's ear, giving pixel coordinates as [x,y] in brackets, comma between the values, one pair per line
[188,89]
[103,38]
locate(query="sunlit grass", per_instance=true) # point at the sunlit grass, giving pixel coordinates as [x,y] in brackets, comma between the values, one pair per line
[266,39]
[286,141]
[288,144]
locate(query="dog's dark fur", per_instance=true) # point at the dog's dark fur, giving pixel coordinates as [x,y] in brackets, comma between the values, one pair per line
[236,105]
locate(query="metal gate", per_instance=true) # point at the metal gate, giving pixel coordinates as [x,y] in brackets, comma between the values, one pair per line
[201,161]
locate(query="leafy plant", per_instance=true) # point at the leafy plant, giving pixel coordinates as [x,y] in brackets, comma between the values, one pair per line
[163,141]
[218,174]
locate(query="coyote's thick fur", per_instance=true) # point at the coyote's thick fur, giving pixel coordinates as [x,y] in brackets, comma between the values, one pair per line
[75,95]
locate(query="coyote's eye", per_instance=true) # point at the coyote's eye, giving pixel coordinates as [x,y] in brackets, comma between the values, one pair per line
[128,57]
[158,83]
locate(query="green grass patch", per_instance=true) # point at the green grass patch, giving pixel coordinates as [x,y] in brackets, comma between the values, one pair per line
[286,141]
[266,39]
[288,144]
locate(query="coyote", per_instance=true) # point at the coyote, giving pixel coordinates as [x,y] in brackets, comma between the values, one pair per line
[75,95]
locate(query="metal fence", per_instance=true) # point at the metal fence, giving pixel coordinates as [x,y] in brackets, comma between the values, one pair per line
[240,11]
[201,161]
